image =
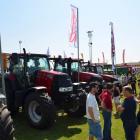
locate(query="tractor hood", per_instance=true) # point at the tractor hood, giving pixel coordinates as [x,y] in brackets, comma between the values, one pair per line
[46,79]
[108,78]
[88,77]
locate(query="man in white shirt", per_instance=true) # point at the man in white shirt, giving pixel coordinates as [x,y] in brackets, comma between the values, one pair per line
[92,111]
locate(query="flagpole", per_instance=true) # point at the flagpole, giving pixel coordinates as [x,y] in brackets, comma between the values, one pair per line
[78,40]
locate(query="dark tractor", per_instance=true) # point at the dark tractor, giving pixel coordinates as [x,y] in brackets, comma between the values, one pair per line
[87,67]
[6,123]
[70,66]
[31,85]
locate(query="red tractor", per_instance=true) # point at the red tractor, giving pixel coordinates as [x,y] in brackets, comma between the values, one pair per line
[31,85]
[70,66]
[87,67]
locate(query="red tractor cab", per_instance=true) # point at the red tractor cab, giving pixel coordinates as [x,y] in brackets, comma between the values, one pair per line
[93,68]
[71,65]
[31,85]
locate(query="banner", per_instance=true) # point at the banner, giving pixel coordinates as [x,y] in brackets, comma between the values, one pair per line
[112,46]
[73,27]
[65,56]
[82,56]
[48,52]
[123,56]
[103,59]
[98,61]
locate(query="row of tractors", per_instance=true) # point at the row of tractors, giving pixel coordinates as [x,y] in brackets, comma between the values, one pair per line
[30,84]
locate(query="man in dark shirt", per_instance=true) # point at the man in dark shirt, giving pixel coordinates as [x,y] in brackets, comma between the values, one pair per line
[106,102]
[128,113]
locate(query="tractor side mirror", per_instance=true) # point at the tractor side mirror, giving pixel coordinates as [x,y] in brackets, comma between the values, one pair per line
[14,58]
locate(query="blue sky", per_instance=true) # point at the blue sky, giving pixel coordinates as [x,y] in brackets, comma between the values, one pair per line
[45,23]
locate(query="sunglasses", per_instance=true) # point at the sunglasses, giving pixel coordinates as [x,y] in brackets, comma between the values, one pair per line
[97,87]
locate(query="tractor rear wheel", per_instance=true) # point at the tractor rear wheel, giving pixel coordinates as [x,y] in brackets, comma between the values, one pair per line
[10,98]
[78,111]
[40,110]
[6,123]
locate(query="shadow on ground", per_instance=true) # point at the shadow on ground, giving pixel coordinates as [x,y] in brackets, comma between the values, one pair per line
[117,116]
[60,128]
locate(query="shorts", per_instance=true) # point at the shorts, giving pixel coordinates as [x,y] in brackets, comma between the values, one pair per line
[138,117]
[95,129]
[116,100]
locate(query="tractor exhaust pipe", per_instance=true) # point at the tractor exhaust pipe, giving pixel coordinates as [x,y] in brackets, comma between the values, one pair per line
[25,70]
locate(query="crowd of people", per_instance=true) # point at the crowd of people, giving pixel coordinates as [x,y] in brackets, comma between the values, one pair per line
[127,110]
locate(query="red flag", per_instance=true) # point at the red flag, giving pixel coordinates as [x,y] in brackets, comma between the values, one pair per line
[103,59]
[123,56]
[112,46]
[98,61]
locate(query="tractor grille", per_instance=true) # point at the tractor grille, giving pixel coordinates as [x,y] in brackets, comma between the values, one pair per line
[99,79]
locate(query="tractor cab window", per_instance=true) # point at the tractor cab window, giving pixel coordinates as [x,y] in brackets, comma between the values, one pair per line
[18,69]
[37,63]
[74,67]
[87,69]
[60,68]
[99,70]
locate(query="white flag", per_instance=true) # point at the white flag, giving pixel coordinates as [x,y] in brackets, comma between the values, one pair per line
[73,27]
[65,56]
[48,52]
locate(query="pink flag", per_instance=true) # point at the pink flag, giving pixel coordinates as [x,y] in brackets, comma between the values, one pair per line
[73,27]
[98,61]
[103,59]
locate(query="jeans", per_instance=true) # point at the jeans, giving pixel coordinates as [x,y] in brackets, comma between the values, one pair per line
[130,128]
[107,125]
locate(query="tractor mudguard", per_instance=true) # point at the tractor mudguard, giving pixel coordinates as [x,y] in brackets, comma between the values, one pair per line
[20,95]
[33,89]
[13,81]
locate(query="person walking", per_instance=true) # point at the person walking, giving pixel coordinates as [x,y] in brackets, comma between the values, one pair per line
[133,85]
[128,113]
[92,111]
[124,81]
[116,95]
[106,102]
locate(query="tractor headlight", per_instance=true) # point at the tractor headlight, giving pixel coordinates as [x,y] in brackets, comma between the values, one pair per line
[65,89]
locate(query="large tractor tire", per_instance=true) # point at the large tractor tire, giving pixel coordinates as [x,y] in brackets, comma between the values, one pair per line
[40,110]
[78,111]
[6,123]
[10,98]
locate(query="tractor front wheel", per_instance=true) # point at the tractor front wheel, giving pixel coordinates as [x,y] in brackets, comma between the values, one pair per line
[6,123]
[78,111]
[40,110]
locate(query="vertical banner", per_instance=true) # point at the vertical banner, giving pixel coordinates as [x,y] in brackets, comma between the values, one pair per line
[103,59]
[48,52]
[65,56]
[123,56]
[82,56]
[73,27]
[98,61]
[74,31]
[112,46]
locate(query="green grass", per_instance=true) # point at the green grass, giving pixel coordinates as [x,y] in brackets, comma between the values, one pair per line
[65,128]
